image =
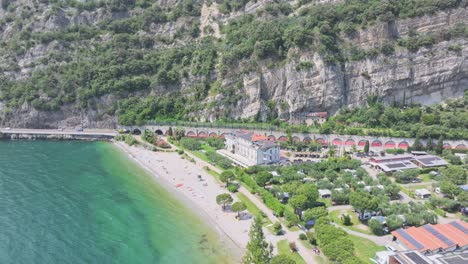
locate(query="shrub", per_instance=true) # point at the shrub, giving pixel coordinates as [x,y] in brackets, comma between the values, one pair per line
[180,151]
[311,238]
[190,143]
[232,188]
[291,218]
[346,219]
[277,228]
[376,227]
[302,236]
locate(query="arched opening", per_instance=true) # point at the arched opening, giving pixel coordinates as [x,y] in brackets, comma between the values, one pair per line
[447,146]
[321,141]
[296,139]
[202,134]
[136,131]
[191,134]
[460,146]
[362,143]
[390,144]
[222,135]
[376,143]
[272,138]
[159,132]
[337,142]
[213,135]
[350,142]
[403,145]
[307,140]
[283,138]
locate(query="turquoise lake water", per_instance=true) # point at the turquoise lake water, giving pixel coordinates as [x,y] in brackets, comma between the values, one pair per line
[86,202]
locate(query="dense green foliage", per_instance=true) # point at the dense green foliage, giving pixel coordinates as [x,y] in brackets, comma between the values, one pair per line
[122,57]
[404,119]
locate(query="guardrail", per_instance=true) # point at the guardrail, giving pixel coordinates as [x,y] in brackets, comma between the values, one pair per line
[216,125]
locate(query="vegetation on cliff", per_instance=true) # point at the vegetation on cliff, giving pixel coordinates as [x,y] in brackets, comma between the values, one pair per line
[124,55]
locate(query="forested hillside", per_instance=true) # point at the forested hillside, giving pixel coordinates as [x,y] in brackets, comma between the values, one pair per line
[101,62]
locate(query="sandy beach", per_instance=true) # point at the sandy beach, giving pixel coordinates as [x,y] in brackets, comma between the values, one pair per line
[180,177]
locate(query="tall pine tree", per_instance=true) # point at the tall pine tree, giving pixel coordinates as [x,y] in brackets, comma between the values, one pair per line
[440,145]
[258,250]
[417,144]
[366,147]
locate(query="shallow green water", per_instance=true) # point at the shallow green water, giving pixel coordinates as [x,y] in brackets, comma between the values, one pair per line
[82,202]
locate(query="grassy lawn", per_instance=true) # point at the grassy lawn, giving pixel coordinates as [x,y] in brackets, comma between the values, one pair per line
[426,177]
[365,249]
[336,217]
[283,248]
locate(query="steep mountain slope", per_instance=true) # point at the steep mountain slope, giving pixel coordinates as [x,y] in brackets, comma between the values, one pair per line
[99,63]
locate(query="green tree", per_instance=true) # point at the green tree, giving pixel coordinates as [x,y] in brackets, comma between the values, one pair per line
[224,199]
[449,188]
[170,133]
[363,201]
[282,259]
[346,220]
[262,178]
[298,202]
[258,251]
[314,213]
[440,145]
[394,222]
[277,228]
[366,147]
[238,207]
[376,227]
[179,133]
[455,174]
[417,143]
[310,191]
[227,176]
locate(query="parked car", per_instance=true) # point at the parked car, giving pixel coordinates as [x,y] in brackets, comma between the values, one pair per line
[416,180]
[390,248]
[79,129]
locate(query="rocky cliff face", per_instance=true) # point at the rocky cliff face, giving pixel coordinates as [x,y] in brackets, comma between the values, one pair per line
[428,75]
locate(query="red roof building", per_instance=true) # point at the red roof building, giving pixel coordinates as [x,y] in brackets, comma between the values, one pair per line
[434,238]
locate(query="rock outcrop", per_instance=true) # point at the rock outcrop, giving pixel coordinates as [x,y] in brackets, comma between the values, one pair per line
[426,76]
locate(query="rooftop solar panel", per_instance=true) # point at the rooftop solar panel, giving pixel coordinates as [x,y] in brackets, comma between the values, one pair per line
[395,165]
[408,238]
[440,236]
[416,258]
[459,227]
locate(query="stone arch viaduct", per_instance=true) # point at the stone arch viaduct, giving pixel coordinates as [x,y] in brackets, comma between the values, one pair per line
[346,141]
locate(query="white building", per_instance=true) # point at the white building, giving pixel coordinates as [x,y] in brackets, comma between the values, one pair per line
[256,148]
[324,193]
[422,193]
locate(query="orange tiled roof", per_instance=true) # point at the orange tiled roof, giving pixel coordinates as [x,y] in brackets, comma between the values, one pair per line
[259,137]
[432,237]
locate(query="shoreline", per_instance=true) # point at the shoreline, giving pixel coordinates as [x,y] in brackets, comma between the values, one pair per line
[169,170]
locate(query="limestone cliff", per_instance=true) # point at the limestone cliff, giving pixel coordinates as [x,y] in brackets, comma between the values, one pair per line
[427,75]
